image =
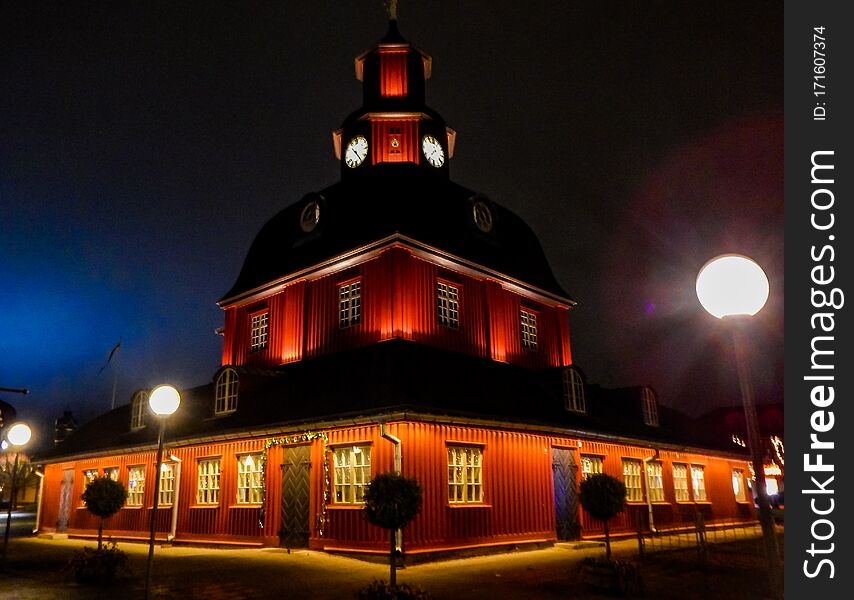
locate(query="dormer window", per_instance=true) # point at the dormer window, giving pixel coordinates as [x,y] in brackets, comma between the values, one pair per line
[650,407]
[447,305]
[226,392]
[349,304]
[573,390]
[528,326]
[258,331]
[137,410]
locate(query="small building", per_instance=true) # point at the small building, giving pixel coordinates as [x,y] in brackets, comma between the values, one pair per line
[394,320]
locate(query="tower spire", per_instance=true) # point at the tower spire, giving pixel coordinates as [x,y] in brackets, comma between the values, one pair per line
[392,10]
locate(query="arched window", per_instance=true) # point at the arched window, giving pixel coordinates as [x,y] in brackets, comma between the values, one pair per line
[138,406]
[226,392]
[573,390]
[650,407]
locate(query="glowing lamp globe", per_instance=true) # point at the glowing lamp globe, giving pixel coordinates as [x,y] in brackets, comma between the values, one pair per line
[164,400]
[19,434]
[731,285]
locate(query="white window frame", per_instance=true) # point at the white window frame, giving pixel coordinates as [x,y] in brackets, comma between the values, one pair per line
[573,391]
[654,481]
[207,483]
[465,474]
[137,410]
[112,473]
[680,482]
[632,478]
[167,484]
[225,395]
[698,482]
[352,473]
[136,485]
[591,464]
[250,482]
[448,305]
[258,329]
[739,486]
[350,304]
[650,407]
[528,328]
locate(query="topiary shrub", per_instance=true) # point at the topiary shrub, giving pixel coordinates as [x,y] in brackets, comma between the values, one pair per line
[603,497]
[380,590]
[103,498]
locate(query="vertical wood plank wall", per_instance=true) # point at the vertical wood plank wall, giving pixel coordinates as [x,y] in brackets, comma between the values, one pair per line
[518,494]
[398,299]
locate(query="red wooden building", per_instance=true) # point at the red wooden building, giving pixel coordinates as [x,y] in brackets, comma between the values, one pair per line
[394,320]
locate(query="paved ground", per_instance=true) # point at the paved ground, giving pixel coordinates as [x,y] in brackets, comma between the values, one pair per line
[34,565]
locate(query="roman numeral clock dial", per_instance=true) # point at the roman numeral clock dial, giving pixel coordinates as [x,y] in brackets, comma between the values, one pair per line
[357,151]
[432,150]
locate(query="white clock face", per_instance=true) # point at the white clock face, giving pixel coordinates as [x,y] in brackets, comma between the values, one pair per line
[432,150]
[357,151]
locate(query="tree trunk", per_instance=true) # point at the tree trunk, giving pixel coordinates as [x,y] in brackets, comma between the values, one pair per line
[392,561]
[607,542]
[100,532]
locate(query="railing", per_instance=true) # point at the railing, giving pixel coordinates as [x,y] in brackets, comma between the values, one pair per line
[697,534]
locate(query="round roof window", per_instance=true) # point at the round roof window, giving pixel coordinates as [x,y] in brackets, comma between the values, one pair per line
[310,217]
[482,216]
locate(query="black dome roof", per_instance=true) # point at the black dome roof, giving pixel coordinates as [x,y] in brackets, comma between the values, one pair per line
[433,211]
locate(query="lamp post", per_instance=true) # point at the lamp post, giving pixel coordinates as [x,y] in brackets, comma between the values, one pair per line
[164,401]
[17,436]
[733,288]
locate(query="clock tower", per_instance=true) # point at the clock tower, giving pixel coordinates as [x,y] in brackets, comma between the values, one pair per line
[394,130]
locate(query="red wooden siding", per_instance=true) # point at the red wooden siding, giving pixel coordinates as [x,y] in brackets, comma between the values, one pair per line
[393,73]
[398,300]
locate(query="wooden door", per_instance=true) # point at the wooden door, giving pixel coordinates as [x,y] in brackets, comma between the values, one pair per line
[566,498]
[296,466]
[65,489]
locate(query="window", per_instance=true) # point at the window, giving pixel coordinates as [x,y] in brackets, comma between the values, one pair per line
[573,390]
[680,482]
[226,392]
[167,484]
[650,408]
[738,487]
[137,410]
[698,483]
[654,482]
[590,465]
[112,473]
[208,484]
[258,332]
[632,479]
[250,485]
[136,486]
[350,304]
[89,476]
[447,305]
[352,473]
[465,474]
[528,323]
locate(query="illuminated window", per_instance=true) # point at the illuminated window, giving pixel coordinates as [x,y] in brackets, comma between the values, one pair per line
[680,482]
[447,305]
[250,482]
[167,484]
[528,323]
[738,487]
[632,479]
[465,474]
[350,304]
[352,473]
[654,482]
[226,392]
[573,390]
[136,486]
[137,410]
[89,476]
[698,483]
[112,473]
[207,491]
[590,465]
[258,333]
[771,487]
[650,407]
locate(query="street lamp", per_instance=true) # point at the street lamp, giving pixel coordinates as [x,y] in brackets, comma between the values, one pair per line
[733,288]
[17,436]
[164,401]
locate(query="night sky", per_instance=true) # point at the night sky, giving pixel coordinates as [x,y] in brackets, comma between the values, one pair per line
[142,148]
